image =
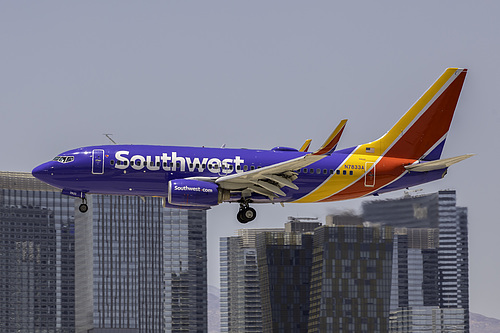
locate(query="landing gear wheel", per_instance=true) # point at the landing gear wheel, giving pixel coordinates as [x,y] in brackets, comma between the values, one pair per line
[246,215]
[83,208]
[240,217]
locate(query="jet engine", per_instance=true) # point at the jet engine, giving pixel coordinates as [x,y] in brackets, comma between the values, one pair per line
[195,193]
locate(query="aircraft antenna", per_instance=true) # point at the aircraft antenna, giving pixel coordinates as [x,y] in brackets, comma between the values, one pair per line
[109,137]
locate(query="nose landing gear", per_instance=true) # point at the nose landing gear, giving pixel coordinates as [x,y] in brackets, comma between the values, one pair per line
[246,213]
[83,208]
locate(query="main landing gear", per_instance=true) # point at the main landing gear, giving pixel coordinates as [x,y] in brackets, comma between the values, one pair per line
[246,213]
[83,208]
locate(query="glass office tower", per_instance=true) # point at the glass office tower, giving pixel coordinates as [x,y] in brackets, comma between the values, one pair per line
[240,301]
[185,270]
[37,256]
[438,267]
[143,265]
[285,261]
[351,279]
[241,296]
[127,265]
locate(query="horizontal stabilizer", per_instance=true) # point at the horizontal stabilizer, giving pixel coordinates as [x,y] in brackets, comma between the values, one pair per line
[436,165]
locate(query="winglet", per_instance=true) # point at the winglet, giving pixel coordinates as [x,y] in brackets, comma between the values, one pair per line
[331,143]
[305,146]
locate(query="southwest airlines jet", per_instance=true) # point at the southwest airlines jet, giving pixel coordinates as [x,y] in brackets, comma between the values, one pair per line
[408,154]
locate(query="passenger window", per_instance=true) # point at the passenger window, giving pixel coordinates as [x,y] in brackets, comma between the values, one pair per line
[238,167]
[112,162]
[252,167]
[338,172]
[331,171]
[305,170]
[344,172]
[325,171]
[350,173]
[245,168]
[318,171]
[311,170]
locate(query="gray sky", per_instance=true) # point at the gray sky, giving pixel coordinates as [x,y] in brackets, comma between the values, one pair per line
[255,74]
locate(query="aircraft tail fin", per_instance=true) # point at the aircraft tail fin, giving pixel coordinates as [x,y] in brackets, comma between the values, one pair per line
[421,132]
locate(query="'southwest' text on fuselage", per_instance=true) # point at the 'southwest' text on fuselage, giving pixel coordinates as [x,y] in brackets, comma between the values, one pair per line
[177,163]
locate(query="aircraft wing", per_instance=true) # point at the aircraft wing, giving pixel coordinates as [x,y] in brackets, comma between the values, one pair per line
[436,165]
[268,180]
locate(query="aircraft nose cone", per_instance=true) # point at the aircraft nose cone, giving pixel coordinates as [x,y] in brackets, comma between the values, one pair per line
[42,172]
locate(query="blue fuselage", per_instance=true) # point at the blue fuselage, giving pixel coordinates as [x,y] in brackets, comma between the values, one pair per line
[146,170]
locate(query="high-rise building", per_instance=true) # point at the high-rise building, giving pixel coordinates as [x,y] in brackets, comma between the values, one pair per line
[285,261]
[127,265]
[241,303]
[240,300]
[37,256]
[259,288]
[434,292]
[351,279]
[140,267]
[400,267]
[185,270]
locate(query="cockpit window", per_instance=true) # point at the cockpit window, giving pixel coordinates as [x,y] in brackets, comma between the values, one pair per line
[64,159]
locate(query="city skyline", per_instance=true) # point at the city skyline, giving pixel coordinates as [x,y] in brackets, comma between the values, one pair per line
[128,264]
[420,212]
[401,266]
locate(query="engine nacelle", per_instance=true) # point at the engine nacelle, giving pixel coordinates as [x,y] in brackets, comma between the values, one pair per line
[195,193]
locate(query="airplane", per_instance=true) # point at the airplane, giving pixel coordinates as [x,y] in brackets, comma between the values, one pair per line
[200,178]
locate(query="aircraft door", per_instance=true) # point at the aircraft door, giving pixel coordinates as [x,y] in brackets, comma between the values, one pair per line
[370,174]
[98,161]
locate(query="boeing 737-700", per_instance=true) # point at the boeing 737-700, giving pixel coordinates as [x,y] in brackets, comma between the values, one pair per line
[408,154]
